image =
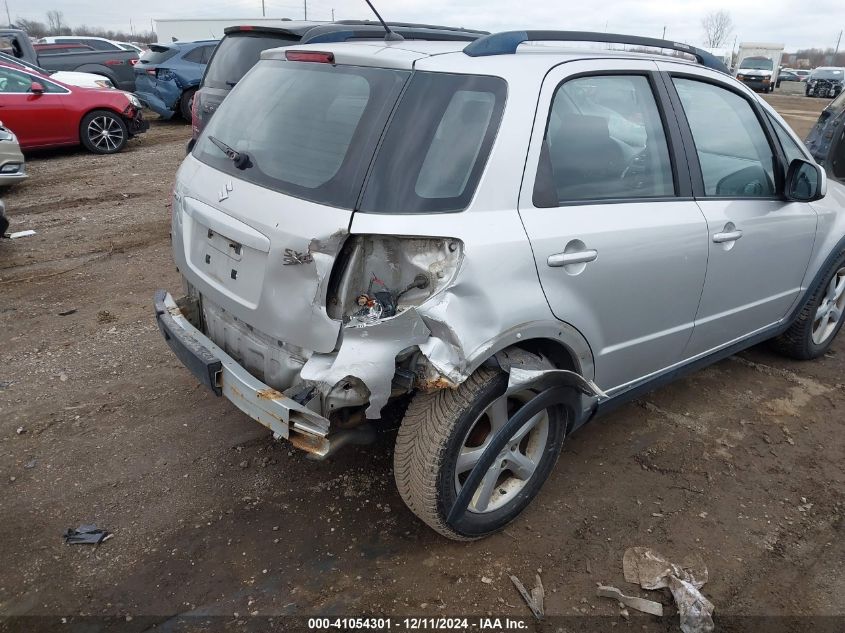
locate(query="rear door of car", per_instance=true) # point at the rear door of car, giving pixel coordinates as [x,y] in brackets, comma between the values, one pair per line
[759,244]
[619,243]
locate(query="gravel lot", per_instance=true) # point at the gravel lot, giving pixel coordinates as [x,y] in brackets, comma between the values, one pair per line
[99,423]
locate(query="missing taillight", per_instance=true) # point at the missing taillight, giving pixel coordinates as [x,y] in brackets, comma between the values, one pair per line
[379,276]
[310,56]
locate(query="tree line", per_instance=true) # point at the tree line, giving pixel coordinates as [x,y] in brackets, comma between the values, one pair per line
[56,25]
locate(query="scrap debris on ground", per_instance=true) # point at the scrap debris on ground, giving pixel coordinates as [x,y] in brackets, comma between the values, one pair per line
[86,535]
[651,570]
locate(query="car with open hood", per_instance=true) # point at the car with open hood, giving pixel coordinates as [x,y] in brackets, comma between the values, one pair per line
[825,81]
[495,242]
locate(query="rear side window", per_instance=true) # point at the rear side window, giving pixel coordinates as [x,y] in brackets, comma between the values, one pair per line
[605,140]
[236,54]
[734,153]
[437,144]
[159,54]
[312,128]
[194,55]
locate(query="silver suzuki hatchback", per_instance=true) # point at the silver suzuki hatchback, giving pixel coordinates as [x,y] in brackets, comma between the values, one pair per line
[505,239]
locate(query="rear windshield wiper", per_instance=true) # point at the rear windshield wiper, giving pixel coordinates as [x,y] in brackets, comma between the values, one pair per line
[240,159]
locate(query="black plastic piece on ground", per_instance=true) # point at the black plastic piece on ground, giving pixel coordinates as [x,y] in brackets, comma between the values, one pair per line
[506,43]
[85,535]
[551,397]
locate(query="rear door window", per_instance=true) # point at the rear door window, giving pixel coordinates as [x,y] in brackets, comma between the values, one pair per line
[605,140]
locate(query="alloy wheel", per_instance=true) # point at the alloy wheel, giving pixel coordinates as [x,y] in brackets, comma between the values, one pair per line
[829,312]
[517,462]
[105,133]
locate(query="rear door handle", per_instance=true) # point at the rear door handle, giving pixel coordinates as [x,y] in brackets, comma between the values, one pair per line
[565,259]
[727,236]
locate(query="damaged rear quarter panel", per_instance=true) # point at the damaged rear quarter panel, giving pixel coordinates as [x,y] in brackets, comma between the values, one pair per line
[494,300]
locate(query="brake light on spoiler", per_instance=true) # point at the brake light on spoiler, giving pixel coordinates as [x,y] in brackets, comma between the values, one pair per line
[310,56]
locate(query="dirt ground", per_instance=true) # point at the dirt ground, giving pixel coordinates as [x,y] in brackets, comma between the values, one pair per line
[741,463]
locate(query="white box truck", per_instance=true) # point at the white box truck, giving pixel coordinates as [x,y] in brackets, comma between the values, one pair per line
[758,65]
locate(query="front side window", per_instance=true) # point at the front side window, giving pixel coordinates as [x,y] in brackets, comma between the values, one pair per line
[13,81]
[605,140]
[789,146]
[733,151]
[21,82]
[194,55]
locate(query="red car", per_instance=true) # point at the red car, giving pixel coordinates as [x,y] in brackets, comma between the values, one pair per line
[43,112]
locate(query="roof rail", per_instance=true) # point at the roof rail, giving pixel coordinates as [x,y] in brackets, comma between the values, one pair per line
[506,43]
[341,33]
[413,25]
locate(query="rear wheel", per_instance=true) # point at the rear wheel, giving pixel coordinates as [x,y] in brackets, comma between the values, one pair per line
[820,319]
[443,436]
[186,102]
[103,132]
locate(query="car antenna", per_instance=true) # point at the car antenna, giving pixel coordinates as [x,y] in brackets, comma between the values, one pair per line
[390,36]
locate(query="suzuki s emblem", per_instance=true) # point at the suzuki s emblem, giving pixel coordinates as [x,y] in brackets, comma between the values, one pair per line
[224,193]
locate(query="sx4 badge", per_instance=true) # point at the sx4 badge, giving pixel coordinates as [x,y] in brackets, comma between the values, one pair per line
[292,257]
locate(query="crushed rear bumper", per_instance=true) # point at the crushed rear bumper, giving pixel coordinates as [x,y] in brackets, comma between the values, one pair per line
[222,374]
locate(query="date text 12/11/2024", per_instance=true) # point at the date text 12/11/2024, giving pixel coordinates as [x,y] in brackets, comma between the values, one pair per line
[417,624]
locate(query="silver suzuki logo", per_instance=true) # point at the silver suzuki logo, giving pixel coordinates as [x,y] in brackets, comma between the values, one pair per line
[224,193]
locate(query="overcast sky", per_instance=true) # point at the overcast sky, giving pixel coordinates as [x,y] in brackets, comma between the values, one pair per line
[782,21]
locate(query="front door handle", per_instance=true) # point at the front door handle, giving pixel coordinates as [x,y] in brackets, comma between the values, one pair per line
[565,259]
[727,236]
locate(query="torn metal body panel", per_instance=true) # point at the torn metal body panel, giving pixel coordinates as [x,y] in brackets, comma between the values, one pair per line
[368,352]
[284,416]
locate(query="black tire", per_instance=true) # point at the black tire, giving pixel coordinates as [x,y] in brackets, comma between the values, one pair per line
[428,444]
[185,103]
[797,342]
[94,141]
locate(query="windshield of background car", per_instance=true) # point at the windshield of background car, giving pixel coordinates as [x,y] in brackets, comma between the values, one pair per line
[237,53]
[159,54]
[756,64]
[828,74]
[309,129]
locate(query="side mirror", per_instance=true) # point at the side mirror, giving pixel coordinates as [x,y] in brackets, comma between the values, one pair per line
[37,88]
[805,181]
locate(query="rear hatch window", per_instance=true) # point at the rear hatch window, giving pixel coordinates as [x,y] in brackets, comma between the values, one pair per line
[158,54]
[313,129]
[237,53]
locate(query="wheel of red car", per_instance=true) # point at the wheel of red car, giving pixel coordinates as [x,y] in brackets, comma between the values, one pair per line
[185,104]
[103,132]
